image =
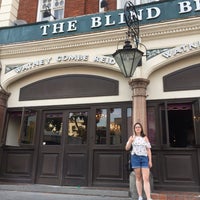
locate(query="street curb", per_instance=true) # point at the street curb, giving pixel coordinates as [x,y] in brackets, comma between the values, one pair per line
[105,192]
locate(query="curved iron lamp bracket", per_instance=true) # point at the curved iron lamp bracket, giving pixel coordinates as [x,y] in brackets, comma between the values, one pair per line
[132,21]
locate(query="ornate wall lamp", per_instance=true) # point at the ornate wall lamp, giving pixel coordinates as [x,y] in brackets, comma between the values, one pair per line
[129,57]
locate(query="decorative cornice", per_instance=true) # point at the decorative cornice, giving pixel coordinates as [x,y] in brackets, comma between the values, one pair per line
[101,39]
[171,28]
[59,44]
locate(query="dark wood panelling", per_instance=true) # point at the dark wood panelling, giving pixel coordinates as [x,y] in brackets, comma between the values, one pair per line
[75,169]
[176,169]
[156,168]
[184,79]
[108,165]
[69,86]
[18,163]
[22,166]
[49,164]
[179,168]
[75,165]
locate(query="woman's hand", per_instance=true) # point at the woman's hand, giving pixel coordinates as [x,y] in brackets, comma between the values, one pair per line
[150,164]
[129,143]
[150,157]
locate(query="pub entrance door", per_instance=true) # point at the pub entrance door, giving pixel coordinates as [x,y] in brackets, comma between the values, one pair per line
[63,154]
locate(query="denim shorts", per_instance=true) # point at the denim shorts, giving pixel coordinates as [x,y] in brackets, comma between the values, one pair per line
[139,161]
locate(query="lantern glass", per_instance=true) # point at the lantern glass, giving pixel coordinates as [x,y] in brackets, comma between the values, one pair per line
[128,60]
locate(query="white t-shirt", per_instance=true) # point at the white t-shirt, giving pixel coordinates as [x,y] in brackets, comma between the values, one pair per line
[140,146]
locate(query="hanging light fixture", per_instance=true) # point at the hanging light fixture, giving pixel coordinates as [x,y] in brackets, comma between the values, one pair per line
[129,57]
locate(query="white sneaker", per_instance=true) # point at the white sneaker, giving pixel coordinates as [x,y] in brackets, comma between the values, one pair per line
[140,198]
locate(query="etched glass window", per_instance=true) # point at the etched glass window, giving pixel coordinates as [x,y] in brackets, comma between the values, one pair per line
[52,129]
[101,126]
[77,127]
[115,126]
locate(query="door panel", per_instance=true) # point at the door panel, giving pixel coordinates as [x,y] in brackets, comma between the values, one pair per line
[196,118]
[76,149]
[63,158]
[50,156]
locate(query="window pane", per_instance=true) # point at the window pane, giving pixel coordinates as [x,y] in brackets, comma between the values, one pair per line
[29,127]
[51,8]
[101,126]
[13,130]
[58,14]
[52,129]
[151,125]
[77,127]
[163,124]
[115,125]
[181,128]
[129,121]
[178,128]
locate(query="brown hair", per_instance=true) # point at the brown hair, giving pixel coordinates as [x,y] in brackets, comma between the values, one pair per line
[142,132]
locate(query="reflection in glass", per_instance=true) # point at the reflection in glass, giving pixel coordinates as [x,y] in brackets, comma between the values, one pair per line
[13,130]
[101,126]
[77,127]
[52,129]
[21,127]
[115,126]
[29,127]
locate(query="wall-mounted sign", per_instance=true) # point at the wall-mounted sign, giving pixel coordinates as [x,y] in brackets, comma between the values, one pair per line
[60,59]
[147,13]
[181,49]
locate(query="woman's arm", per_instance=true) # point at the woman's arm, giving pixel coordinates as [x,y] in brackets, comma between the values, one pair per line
[150,157]
[129,143]
[149,154]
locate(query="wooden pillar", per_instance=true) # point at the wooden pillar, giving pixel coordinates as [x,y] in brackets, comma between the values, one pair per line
[3,106]
[139,86]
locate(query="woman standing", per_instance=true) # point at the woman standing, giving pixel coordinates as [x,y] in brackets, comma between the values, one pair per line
[141,160]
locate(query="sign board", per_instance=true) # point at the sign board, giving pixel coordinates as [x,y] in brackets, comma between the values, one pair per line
[148,14]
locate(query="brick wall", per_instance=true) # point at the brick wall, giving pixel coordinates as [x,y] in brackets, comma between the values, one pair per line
[28,8]
[75,8]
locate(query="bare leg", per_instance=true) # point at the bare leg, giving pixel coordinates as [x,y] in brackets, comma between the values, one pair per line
[147,188]
[138,176]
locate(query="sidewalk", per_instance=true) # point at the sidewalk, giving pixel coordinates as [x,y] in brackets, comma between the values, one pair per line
[105,193]
[174,195]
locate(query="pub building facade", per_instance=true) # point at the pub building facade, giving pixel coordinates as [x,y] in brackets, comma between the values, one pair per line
[66,110]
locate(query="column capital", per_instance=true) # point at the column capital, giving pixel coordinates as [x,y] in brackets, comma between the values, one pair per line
[3,97]
[139,85]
